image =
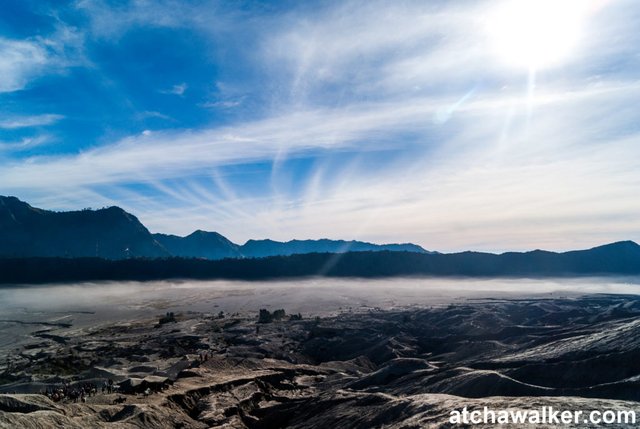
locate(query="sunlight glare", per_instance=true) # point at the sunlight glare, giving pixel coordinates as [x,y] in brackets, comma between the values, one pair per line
[536,34]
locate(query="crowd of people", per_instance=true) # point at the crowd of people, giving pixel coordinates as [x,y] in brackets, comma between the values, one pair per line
[109,387]
[73,393]
[79,392]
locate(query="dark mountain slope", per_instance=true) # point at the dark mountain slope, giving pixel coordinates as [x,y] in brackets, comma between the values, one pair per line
[200,244]
[113,233]
[109,233]
[615,259]
[263,248]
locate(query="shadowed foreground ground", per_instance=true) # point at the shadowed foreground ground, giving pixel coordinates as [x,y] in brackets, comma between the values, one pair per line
[392,369]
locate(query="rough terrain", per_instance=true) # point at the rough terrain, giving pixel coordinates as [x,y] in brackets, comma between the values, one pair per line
[372,368]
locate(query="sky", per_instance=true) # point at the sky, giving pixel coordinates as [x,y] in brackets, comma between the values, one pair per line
[484,125]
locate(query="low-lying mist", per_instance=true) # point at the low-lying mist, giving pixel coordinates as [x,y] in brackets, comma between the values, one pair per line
[315,296]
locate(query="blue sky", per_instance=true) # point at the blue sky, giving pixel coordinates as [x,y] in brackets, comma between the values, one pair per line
[454,125]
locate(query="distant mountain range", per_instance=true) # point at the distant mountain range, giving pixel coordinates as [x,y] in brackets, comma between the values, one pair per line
[112,233]
[621,258]
[39,246]
[263,248]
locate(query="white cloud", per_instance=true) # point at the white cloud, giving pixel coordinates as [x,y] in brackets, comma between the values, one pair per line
[471,189]
[153,114]
[225,104]
[496,169]
[178,89]
[20,61]
[24,143]
[109,21]
[29,121]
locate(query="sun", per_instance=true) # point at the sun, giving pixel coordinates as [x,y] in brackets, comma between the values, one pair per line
[536,34]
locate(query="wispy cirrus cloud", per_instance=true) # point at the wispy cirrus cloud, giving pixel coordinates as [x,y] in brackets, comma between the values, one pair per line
[178,89]
[29,121]
[111,21]
[23,60]
[514,190]
[382,121]
[20,61]
[24,143]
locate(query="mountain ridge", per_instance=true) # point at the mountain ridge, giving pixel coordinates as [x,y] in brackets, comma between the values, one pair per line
[268,247]
[41,246]
[109,233]
[114,234]
[199,244]
[117,234]
[369,264]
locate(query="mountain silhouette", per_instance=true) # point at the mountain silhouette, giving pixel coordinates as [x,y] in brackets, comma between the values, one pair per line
[199,244]
[109,233]
[263,248]
[621,258]
[41,245]
[112,233]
